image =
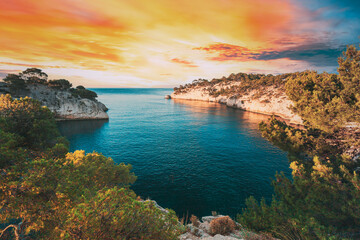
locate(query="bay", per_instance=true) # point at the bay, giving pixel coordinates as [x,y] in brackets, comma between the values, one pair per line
[193,157]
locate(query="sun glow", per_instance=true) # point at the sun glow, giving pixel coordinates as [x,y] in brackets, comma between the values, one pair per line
[153,43]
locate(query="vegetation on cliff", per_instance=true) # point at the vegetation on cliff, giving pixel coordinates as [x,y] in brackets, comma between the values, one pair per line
[18,83]
[226,86]
[48,193]
[322,199]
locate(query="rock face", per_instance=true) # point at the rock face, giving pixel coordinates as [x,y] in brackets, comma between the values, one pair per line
[64,105]
[202,229]
[273,102]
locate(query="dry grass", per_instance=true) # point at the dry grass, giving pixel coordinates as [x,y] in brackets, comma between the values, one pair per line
[222,225]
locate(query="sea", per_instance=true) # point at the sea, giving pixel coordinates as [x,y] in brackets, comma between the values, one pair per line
[190,156]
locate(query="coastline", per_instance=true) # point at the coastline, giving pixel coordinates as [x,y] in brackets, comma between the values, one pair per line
[275,102]
[277,116]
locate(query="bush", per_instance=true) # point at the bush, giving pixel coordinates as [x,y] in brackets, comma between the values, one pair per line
[222,225]
[45,191]
[10,151]
[16,83]
[26,117]
[81,92]
[116,214]
[36,80]
[80,87]
[61,84]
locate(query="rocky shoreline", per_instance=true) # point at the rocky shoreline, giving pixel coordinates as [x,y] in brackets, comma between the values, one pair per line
[273,102]
[202,230]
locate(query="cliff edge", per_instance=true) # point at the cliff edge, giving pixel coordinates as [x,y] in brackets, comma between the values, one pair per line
[65,106]
[270,100]
[65,102]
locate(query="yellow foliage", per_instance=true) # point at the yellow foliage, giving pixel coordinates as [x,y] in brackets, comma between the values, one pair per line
[297,169]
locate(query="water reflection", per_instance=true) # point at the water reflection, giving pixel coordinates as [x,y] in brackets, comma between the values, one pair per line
[251,119]
[70,128]
[221,110]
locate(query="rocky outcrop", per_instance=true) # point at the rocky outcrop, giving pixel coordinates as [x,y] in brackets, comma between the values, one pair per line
[63,104]
[202,231]
[272,101]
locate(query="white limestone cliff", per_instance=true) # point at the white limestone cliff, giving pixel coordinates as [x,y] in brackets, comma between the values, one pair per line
[63,104]
[273,102]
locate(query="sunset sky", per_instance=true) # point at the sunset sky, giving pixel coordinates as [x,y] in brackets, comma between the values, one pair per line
[164,43]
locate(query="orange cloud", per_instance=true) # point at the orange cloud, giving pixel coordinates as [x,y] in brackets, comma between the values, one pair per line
[184,62]
[225,52]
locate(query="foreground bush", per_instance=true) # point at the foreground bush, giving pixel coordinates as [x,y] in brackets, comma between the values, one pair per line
[29,120]
[222,225]
[27,130]
[116,214]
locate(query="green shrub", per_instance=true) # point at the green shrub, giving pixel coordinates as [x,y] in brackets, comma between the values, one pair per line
[81,92]
[26,118]
[36,80]
[10,151]
[16,84]
[61,84]
[116,214]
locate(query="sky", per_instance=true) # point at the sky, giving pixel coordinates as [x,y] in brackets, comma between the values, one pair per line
[165,43]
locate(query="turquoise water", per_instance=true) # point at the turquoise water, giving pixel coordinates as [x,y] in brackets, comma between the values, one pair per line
[194,157]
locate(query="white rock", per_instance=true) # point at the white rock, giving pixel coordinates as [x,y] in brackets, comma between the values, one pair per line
[275,101]
[205,226]
[65,106]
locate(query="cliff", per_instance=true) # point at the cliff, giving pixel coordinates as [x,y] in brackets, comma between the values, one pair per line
[63,103]
[270,100]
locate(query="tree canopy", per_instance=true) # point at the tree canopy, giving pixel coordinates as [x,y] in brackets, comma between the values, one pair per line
[62,84]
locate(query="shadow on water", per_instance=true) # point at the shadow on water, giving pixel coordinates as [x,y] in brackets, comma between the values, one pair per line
[75,127]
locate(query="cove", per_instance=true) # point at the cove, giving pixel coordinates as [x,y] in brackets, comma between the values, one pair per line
[193,157]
